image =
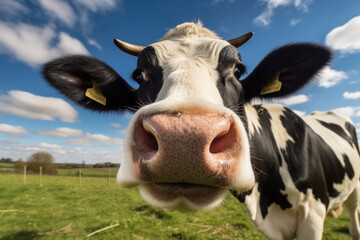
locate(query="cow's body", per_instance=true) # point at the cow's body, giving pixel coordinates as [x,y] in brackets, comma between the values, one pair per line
[195,135]
[310,169]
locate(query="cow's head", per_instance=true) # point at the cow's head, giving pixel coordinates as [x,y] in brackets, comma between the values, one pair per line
[186,145]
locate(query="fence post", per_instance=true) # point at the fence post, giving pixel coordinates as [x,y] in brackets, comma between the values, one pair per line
[40,175]
[24,174]
[79,178]
[108,179]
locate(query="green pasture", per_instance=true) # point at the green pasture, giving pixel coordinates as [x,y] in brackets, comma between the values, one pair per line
[6,167]
[96,172]
[59,209]
[6,164]
[87,172]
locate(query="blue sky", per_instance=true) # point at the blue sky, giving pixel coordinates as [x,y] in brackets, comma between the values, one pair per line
[35,117]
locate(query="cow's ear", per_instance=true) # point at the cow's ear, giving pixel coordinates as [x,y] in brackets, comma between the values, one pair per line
[285,70]
[90,83]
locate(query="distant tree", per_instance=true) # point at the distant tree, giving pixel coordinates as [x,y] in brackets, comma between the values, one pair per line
[99,165]
[6,160]
[43,159]
[19,166]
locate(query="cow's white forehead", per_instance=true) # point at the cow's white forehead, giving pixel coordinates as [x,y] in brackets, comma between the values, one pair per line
[189,41]
[189,66]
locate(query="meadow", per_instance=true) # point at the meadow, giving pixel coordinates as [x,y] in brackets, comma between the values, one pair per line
[59,209]
[93,172]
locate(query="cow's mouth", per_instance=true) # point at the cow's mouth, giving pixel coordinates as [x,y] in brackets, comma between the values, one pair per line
[183,196]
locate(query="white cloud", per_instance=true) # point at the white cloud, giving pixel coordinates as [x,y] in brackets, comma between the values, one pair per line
[294,22]
[303,4]
[28,105]
[11,129]
[215,2]
[70,45]
[77,12]
[264,19]
[348,111]
[293,100]
[300,113]
[78,137]
[60,10]
[329,77]
[115,125]
[47,145]
[345,38]
[89,139]
[33,44]
[12,8]
[351,95]
[97,5]
[92,42]
[55,148]
[98,137]
[63,132]
[86,7]
[122,132]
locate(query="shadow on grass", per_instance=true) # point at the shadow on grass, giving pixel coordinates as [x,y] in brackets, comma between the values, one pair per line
[149,211]
[22,235]
[341,230]
[240,226]
[178,236]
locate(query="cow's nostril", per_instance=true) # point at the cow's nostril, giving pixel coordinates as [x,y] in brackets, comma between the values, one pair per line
[147,138]
[223,141]
[150,140]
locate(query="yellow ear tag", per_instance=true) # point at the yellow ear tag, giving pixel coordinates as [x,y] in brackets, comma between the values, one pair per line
[273,86]
[95,94]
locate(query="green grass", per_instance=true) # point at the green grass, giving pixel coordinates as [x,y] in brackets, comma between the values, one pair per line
[7,167]
[60,210]
[98,172]
[6,164]
[86,172]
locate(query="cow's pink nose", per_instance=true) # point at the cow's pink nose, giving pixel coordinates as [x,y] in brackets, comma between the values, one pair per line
[186,148]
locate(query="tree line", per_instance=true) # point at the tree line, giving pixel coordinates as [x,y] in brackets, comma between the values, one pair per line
[46,161]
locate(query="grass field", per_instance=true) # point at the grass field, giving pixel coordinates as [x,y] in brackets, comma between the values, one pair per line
[96,172]
[60,210]
[6,164]
[87,172]
[6,167]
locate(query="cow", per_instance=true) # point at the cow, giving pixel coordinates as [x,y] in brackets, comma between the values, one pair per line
[195,135]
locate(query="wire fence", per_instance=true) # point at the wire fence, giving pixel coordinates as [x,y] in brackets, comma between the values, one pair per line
[80,177]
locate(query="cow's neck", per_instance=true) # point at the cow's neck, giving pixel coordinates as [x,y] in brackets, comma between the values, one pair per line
[266,128]
[267,133]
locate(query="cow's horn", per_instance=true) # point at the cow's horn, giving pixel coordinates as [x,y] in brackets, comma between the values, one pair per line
[237,42]
[129,48]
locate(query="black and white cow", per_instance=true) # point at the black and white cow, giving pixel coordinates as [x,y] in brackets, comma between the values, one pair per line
[195,136]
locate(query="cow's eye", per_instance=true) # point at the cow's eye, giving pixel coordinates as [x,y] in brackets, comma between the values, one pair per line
[237,73]
[141,76]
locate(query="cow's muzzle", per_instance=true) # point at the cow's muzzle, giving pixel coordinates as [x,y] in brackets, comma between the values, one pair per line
[187,158]
[186,148]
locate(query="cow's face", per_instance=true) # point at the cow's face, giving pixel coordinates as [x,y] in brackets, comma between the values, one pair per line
[186,149]
[187,144]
